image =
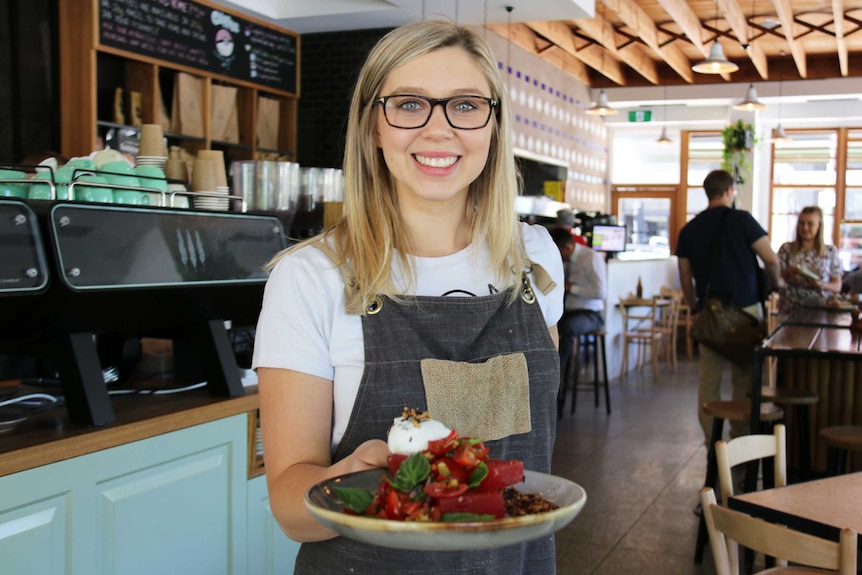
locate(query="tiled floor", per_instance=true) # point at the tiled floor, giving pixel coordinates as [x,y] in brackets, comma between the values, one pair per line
[642,468]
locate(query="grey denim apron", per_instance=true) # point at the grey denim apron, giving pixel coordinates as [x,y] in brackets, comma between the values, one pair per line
[435,350]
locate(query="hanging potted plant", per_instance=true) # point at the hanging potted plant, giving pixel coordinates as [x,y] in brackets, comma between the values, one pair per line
[738,139]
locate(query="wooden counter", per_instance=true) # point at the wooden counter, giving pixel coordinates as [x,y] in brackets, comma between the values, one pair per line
[824,360]
[49,436]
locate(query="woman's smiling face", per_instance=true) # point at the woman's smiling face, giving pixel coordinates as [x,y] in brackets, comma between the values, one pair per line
[435,163]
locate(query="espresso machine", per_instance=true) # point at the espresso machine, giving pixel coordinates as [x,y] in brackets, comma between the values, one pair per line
[71,272]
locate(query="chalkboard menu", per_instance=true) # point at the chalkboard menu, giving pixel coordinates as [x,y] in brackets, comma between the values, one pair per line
[203,37]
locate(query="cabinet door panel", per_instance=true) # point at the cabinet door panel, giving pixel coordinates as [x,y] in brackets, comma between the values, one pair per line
[270,551]
[137,537]
[33,537]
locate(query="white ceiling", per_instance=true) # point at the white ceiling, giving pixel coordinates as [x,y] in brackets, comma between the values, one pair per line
[307,16]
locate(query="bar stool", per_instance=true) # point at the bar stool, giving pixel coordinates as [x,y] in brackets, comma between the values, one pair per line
[729,410]
[798,402]
[591,344]
[840,440]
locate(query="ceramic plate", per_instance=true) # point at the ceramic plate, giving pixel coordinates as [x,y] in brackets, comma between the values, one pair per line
[325,506]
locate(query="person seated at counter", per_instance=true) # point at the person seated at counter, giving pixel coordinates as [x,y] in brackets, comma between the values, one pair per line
[586,278]
[566,220]
[810,269]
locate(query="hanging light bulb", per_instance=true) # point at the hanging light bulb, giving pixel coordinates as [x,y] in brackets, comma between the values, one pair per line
[601,107]
[750,103]
[716,63]
[664,139]
[779,138]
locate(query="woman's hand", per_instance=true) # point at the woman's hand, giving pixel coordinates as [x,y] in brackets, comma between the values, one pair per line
[369,455]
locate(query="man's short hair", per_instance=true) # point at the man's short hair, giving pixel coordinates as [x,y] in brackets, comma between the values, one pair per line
[716,183]
[566,218]
[562,237]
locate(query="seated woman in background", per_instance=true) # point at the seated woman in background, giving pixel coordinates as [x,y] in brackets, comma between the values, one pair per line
[810,269]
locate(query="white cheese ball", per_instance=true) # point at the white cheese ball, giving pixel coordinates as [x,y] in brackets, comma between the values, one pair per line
[405,437]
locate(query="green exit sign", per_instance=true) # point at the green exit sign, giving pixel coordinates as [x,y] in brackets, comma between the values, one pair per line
[640,115]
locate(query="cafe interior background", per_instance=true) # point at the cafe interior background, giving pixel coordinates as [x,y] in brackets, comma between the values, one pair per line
[800,61]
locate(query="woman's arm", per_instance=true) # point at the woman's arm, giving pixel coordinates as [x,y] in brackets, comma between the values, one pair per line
[296,427]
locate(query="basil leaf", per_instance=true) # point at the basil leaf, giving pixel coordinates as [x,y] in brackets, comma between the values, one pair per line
[478,475]
[413,471]
[473,441]
[354,498]
[464,517]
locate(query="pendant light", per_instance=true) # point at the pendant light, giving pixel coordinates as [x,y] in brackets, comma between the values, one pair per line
[716,63]
[750,103]
[601,107]
[779,138]
[664,139]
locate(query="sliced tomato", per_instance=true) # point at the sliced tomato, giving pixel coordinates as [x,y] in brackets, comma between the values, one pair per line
[443,490]
[478,502]
[394,461]
[440,446]
[502,473]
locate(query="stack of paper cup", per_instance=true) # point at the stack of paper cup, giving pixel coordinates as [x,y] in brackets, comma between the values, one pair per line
[152,150]
[216,164]
[204,182]
[176,169]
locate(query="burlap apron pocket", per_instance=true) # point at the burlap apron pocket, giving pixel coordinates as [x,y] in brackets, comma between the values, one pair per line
[489,400]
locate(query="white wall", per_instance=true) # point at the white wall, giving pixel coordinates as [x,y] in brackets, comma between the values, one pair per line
[622,282]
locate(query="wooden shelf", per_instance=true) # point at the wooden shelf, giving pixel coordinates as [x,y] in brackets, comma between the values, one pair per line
[91,72]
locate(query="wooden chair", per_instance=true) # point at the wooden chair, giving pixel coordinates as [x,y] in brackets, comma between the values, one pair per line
[746,449]
[667,326]
[773,540]
[721,411]
[640,319]
[683,319]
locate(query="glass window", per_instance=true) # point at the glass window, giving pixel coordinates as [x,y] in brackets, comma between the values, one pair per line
[808,159]
[647,222]
[853,204]
[854,163]
[850,245]
[704,156]
[639,159]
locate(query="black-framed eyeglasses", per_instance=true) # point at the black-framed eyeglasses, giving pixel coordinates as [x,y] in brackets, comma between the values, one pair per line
[410,111]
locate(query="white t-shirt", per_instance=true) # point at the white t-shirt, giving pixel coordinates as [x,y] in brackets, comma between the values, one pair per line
[303,326]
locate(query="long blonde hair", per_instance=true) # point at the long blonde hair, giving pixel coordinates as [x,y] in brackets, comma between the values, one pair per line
[819,244]
[371,232]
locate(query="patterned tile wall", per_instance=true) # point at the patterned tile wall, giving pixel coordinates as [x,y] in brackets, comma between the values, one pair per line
[550,120]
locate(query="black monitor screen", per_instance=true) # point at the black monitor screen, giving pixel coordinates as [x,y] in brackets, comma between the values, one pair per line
[608,238]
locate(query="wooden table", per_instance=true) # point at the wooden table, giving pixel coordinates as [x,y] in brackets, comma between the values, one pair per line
[819,317]
[820,359]
[822,507]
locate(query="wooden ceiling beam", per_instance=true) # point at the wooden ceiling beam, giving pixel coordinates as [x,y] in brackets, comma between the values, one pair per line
[784,11]
[635,18]
[523,37]
[592,55]
[603,32]
[841,45]
[739,25]
[687,20]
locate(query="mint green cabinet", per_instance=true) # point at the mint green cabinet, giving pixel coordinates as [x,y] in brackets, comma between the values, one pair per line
[270,551]
[174,503]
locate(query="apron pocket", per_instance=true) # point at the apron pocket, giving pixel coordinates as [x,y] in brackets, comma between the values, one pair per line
[489,400]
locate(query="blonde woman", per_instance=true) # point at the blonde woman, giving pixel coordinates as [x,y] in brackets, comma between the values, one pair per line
[810,269]
[428,293]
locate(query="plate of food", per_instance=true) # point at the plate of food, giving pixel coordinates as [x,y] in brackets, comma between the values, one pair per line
[448,495]
[807,272]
